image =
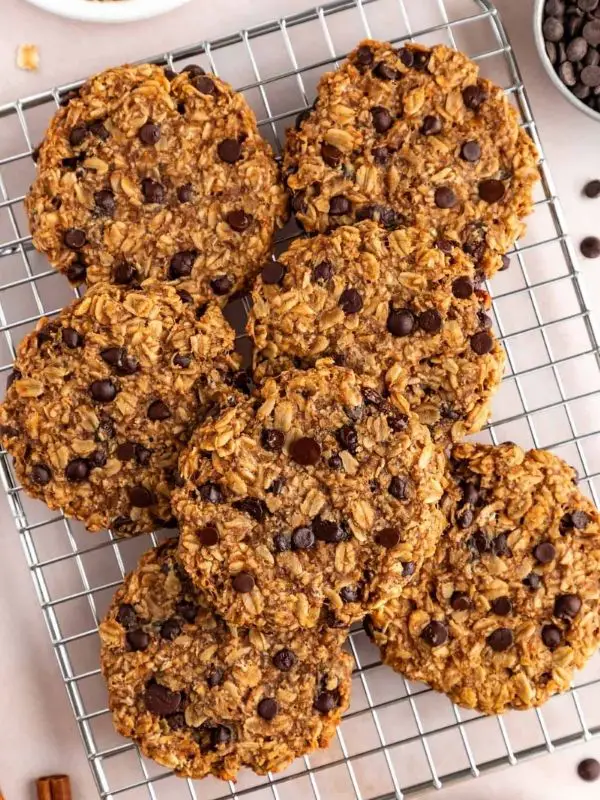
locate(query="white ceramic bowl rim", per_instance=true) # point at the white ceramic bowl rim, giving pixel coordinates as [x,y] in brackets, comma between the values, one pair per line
[108,11]
[538,16]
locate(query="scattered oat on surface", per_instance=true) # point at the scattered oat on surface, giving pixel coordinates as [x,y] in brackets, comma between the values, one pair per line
[102,399]
[509,606]
[316,499]
[393,306]
[202,697]
[28,57]
[145,173]
[414,137]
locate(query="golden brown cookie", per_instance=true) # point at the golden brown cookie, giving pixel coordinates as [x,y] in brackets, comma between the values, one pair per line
[145,173]
[317,499]
[202,697]
[392,306]
[509,606]
[414,137]
[103,398]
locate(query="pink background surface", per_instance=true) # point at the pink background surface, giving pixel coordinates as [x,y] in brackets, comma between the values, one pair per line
[39,735]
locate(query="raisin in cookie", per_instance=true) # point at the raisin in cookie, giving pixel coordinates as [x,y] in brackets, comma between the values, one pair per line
[103,398]
[392,306]
[509,605]
[316,498]
[202,697]
[145,173]
[414,137]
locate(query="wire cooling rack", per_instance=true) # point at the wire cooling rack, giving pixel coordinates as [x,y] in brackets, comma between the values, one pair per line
[398,738]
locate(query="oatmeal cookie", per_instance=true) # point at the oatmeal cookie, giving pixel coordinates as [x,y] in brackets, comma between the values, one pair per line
[391,306]
[145,173]
[103,398]
[414,137]
[316,498]
[509,606]
[202,697]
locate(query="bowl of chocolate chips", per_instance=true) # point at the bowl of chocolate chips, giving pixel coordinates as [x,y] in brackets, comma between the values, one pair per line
[567,35]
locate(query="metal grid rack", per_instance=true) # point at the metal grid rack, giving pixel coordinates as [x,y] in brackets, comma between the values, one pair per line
[398,738]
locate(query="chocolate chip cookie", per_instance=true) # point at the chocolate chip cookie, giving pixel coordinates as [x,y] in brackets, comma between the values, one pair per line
[509,606]
[145,173]
[103,398]
[399,307]
[414,137]
[315,501]
[202,697]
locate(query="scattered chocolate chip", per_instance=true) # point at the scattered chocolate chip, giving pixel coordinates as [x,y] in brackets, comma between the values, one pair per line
[444,197]
[74,238]
[339,205]
[580,520]
[544,552]
[77,470]
[229,150]
[462,288]
[590,247]
[77,272]
[187,610]
[267,708]
[323,271]
[491,190]
[238,220]
[335,462]
[214,677]
[590,76]
[464,518]
[470,493]
[397,422]
[103,391]
[470,151]
[182,361]
[170,629]
[153,191]
[406,56]
[421,59]
[532,581]
[551,636]
[398,487]
[181,264]
[474,97]
[348,438]
[124,274]
[302,539]
[104,201]
[204,85]
[219,735]
[208,536]
[331,155]
[460,601]
[272,439]
[502,606]
[160,700]
[592,189]
[149,133]
[388,537]
[140,497]
[221,285]
[137,639]
[211,493]
[435,633]
[243,582]
[384,72]
[500,545]
[281,543]
[126,616]
[185,193]
[430,321]
[243,382]
[566,72]
[326,530]
[553,29]
[401,322]
[364,56]
[350,594]
[272,273]
[500,639]
[305,451]
[193,70]
[284,660]
[71,338]
[567,606]
[158,411]
[431,126]
[253,506]
[41,474]
[382,119]
[589,769]
[98,129]
[77,135]
[326,702]
[482,343]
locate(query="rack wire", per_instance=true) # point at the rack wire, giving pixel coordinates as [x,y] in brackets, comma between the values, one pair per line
[398,738]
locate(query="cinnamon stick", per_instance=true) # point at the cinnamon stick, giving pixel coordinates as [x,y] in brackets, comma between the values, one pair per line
[44,790]
[53,787]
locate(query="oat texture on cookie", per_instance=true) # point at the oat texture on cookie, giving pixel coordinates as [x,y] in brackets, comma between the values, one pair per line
[313,502]
[148,173]
[202,697]
[102,399]
[399,307]
[509,606]
[414,137]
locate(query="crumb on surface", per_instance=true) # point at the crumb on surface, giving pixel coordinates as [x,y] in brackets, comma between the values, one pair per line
[28,57]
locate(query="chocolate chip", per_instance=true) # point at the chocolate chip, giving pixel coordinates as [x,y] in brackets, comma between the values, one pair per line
[335,462]
[221,734]
[75,238]
[401,322]
[566,72]
[71,338]
[229,150]
[185,193]
[500,639]
[474,97]
[580,519]
[364,56]
[124,274]
[193,70]
[470,151]
[388,537]
[592,189]
[77,470]
[305,451]
[103,391]
[380,155]
[126,451]
[385,72]
[97,128]
[140,497]
[500,545]
[591,32]
[323,271]
[41,474]
[339,205]
[406,56]
[299,202]
[444,197]
[153,191]
[160,700]
[430,321]
[214,677]
[465,518]
[460,601]
[170,630]
[350,594]
[327,530]
[211,493]
[243,382]
[398,487]
[126,616]
[272,273]
[326,702]
[532,581]
[462,288]
[238,220]
[281,543]
[243,582]
[158,411]
[182,361]
[505,263]
[122,523]
[272,439]
[502,606]
[567,606]
[435,633]
[137,639]
[187,610]
[589,769]
[590,247]
[421,59]
[551,636]
[491,190]
[104,201]
[181,264]
[302,539]
[284,660]
[553,29]
[382,119]
[221,285]
[431,125]
[577,48]
[482,343]
[149,133]
[204,85]
[397,422]
[348,438]
[331,155]
[267,708]
[544,552]
[77,272]
[253,506]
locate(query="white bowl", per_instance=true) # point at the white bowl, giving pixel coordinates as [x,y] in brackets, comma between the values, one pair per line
[109,10]
[538,18]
